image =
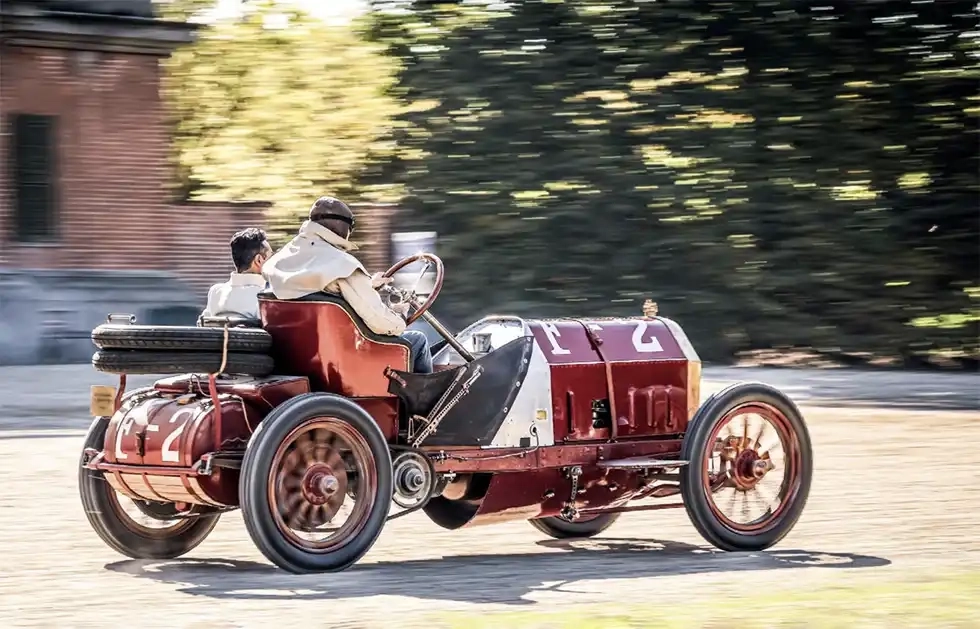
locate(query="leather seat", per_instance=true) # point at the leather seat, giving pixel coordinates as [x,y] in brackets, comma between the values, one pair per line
[330,298]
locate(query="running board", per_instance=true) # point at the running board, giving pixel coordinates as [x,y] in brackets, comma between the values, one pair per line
[642,462]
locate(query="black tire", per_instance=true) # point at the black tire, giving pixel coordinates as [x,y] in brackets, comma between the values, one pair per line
[121,533]
[180,338]
[696,500]
[560,528]
[256,476]
[120,361]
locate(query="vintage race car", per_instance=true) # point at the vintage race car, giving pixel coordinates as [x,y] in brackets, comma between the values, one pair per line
[317,429]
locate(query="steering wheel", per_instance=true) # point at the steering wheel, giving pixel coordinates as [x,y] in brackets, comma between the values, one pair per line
[410,295]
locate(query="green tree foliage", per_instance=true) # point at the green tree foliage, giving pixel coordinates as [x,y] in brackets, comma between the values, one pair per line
[181,10]
[275,106]
[780,173]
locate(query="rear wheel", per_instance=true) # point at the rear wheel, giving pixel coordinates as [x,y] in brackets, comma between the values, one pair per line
[316,484]
[560,528]
[751,465]
[136,528]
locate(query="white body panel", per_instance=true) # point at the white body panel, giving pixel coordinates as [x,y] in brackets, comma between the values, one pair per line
[530,416]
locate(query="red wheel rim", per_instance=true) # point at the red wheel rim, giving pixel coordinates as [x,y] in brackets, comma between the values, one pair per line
[323,468]
[747,453]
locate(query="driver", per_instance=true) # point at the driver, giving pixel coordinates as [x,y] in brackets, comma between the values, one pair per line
[317,259]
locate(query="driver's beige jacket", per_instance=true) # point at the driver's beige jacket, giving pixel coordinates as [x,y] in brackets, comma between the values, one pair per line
[317,259]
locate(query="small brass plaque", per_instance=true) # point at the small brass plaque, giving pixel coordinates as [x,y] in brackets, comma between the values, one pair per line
[541,415]
[102,400]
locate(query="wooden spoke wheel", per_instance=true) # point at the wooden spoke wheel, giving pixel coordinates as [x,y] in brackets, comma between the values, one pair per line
[316,484]
[324,480]
[136,528]
[751,465]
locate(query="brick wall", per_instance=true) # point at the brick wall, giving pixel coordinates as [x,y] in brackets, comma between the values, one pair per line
[372,235]
[199,235]
[113,170]
[114,173]
[112,156]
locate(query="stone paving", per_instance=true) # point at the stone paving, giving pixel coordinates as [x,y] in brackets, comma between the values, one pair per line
[894,492]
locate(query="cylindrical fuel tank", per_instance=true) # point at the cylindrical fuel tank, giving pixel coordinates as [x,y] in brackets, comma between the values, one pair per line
[155,441]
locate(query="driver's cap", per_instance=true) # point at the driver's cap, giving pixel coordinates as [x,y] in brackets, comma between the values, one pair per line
[331,207]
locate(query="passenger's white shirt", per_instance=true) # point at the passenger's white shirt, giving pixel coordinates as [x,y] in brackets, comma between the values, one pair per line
[318,260]
[236,297]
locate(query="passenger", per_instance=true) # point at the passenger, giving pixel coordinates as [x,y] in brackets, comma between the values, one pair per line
[317,259]
[238,296]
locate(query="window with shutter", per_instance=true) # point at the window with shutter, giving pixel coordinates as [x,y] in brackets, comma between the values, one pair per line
[33,149]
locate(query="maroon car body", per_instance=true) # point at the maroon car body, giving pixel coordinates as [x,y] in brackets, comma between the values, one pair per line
[566,423]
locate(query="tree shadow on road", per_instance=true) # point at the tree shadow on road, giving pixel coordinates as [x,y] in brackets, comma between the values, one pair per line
[493,578]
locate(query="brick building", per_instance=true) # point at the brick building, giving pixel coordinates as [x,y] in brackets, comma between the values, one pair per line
[88,222]
[87,219]
[88,175]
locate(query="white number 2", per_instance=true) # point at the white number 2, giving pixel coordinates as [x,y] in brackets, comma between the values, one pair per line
[167,452]
[653,345]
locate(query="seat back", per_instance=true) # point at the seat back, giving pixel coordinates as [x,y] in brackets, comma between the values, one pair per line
[319,336]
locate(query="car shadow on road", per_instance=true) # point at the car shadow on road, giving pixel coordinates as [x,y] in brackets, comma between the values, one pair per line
[487,578]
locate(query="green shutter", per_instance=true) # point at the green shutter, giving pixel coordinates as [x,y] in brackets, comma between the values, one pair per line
[34,177]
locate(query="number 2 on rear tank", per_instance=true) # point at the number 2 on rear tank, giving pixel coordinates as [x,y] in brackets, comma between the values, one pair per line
[168,452]
[164,437]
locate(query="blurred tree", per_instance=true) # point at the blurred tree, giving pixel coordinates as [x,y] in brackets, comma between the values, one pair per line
[275,105]
[183,10]
[786,173]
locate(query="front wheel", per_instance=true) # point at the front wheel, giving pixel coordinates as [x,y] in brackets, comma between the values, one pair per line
[560,528]
[316,484]
[147,530]
[750,467]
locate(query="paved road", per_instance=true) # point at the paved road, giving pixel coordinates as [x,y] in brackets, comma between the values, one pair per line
[894,492]
[850,388]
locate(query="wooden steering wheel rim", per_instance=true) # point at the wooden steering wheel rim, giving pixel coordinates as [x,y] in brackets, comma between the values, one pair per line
[440,274]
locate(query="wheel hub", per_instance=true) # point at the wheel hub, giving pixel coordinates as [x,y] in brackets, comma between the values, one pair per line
[413,479]
[319,484]
[747,467]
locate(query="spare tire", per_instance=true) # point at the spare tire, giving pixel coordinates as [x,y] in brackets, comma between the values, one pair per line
[180,338]
[142,362]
